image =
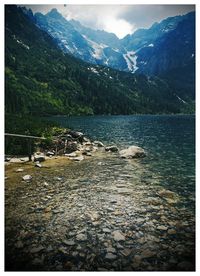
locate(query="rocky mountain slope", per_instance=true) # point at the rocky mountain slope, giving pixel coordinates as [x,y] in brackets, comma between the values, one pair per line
[151,51]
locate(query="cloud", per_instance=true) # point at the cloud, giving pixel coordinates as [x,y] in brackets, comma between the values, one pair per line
[119,19]
[143,16]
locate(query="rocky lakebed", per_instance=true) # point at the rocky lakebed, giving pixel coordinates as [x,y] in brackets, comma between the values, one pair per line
[93,208]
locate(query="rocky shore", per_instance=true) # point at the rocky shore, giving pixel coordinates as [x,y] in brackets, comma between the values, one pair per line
[76,146]
[94,208]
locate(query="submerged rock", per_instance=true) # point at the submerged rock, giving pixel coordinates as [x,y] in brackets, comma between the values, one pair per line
[132,152]
[118,236]
[110,256]
[81,237]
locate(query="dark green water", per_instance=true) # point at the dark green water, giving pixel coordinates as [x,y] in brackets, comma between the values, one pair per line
[168,139]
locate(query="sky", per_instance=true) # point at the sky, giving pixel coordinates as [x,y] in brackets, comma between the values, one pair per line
[118,19]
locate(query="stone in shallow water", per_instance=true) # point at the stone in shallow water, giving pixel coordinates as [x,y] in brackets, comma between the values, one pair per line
[110,256]
[36,249]
[69,242]
[171,232]
[47,210]
[81,237]
[118,236]
[126,252]
[111,249]
[162,228]
[147,254]
[132,152]
[106,230]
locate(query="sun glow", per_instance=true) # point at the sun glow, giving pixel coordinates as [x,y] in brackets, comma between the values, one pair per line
[118,26]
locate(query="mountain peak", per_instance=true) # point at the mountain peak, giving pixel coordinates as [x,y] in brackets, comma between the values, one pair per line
[54,14]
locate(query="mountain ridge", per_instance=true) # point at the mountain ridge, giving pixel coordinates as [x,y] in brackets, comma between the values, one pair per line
[103,48]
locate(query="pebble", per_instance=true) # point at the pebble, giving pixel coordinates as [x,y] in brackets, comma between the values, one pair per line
[162,228]
[111,249]
[69,242]
[110,256]
[20,170]
[27,177]
[171,231]
[147,253]
[106,230]
[36,249]
[48,209]
[118,236]
[126,252]
[81,237]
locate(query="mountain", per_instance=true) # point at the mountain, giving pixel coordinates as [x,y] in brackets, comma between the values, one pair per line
[152,51]
[41,79]
[174,46]
[89,45]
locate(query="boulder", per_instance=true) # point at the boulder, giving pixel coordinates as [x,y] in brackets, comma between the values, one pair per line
[77,135]
[132,152]
[39,158]
[50,153]
[112,148]
[71,147]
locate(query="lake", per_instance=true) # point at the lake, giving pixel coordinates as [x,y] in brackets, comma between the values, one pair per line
[169,141]
[106,213]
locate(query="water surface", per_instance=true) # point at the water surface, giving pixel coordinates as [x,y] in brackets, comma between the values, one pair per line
[168,139]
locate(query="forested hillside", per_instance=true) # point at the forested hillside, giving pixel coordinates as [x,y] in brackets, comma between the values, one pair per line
[41,79]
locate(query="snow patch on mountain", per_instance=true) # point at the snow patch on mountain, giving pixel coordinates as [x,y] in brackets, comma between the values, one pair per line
[98,48]
[21,43]
[181,100]
[131,60]
[93,70]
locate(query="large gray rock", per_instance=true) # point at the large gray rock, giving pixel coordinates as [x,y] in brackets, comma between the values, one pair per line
[132,152]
